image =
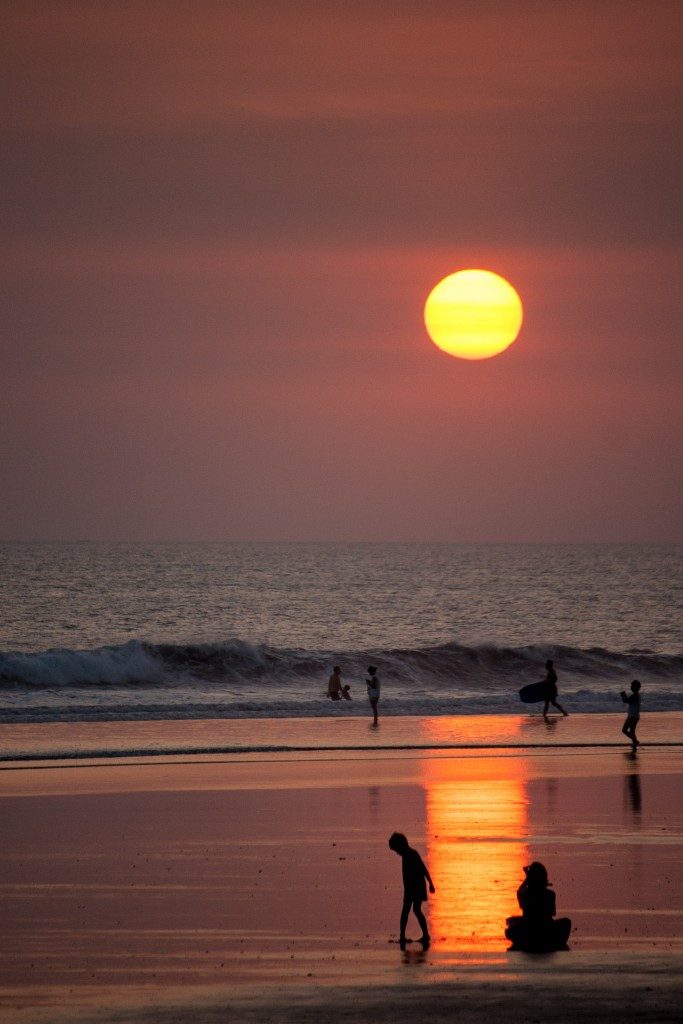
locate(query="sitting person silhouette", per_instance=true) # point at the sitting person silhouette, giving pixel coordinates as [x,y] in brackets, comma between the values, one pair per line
[415,875]
[536,931]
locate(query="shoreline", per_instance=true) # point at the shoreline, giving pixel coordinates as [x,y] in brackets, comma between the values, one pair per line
[32,759]
[333,734]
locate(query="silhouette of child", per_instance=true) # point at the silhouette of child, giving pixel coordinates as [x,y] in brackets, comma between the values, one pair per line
[346,692]
[536,931]
[373,691]
[415,874]
[633,713]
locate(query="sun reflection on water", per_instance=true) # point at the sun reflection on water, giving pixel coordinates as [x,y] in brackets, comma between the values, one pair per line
[476,811]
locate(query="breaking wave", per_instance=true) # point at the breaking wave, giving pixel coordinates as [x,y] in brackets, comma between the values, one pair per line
[141,681]
[281,672]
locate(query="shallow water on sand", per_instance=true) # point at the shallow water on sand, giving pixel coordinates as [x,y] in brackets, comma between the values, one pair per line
[120,739]
[275,869]
[129,880]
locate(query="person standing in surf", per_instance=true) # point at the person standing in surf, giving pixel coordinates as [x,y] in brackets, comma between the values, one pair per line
[550,682]
[415,875]
[633,713]
[373,691]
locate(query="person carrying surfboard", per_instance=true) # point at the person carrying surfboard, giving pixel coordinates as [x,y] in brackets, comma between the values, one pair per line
[550,682]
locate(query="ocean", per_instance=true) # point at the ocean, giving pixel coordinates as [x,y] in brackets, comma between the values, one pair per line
[144,632]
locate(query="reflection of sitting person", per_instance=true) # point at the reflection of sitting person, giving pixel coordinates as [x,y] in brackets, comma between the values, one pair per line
[334,686]
[536,931]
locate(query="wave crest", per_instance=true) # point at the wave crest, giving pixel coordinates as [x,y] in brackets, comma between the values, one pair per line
[236,662]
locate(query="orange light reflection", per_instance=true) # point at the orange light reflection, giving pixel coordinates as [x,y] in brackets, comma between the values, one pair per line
[476,845]
[478,730]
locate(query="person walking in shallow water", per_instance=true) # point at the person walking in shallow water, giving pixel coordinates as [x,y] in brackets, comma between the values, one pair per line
[373,691]
[633,713]
[551,694]
[415,880]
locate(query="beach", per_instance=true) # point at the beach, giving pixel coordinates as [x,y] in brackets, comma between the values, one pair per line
[341,525]
[258,883]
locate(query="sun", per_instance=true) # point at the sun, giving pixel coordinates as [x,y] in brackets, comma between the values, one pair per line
[473,314]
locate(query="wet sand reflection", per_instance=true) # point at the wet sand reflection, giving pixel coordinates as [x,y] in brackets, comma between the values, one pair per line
[477,822]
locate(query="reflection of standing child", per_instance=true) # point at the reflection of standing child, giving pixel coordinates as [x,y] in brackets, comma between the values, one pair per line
[415,875]
[633,713]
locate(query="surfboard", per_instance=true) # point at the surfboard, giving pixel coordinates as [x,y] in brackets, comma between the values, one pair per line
[533,693]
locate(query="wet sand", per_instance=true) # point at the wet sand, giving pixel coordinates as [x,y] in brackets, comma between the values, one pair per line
[337,733]
[261,887]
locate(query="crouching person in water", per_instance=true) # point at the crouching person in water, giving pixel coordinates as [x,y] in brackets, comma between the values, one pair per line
[536,931]
[415,881]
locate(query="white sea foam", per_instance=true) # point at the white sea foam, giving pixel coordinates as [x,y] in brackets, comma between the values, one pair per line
[125,665]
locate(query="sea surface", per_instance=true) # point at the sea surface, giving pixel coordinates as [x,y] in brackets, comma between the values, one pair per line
[112,632]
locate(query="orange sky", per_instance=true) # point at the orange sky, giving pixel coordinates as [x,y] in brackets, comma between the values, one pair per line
[220,223]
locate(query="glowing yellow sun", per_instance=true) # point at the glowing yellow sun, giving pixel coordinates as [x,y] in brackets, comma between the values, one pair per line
[473,314]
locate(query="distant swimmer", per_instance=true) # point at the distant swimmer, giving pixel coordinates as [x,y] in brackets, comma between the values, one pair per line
[536,931]
[334,685]
[633,713]
[550,682]
[415,880]
[373,691]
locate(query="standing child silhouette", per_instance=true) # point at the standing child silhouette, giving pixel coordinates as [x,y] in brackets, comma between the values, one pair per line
[373,691]
[415,875]
[633,713]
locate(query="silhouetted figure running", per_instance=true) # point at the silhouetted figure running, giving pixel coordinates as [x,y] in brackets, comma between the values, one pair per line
[415,875]
[633,713]
[536,931]
[551,695]
[373,691]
